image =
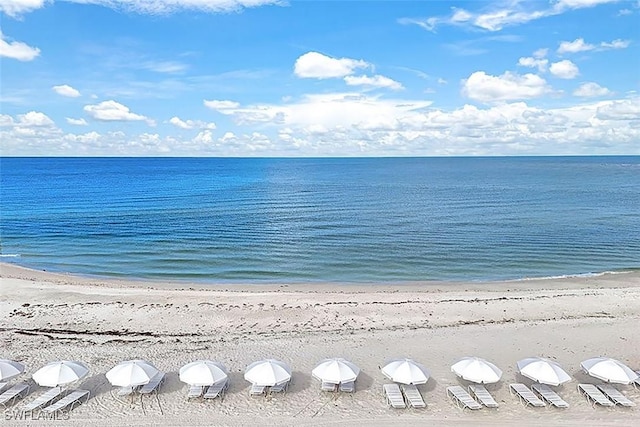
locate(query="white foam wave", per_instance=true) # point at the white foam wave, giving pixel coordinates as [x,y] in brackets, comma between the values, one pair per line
[9,255]
[570,276]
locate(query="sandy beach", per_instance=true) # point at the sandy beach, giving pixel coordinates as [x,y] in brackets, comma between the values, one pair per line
[47,317]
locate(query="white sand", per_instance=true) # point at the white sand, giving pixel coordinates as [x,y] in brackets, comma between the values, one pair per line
[50,317]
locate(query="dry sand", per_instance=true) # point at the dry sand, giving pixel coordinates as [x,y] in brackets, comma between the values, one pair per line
[47,317]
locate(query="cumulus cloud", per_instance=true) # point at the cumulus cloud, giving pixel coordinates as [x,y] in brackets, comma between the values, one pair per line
[66,90]
[112,111]
[76,122]
[15,8]
[319,66]
[579,45]
[564,69]
[540,64]
[17,50]
[34,118]
[221,105]
[375,81]
[191,124]
[509,86]
[591,89]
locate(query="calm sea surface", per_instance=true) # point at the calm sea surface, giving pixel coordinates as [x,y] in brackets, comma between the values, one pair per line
[310,220]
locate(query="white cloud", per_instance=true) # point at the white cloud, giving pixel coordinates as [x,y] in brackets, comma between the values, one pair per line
[221,106]
[495,16]
[319,66]
[591,89]
[578,45]
[17,50]
[191,124]
[167,67]
[34,118]
[564,69]
[507,87]
[66,90]
[375,81]
[15,8]
[77,122]
[540,64]
[540,53]
[112,111]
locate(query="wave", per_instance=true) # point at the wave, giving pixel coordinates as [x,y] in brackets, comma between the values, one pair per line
[569,276]
[9,255]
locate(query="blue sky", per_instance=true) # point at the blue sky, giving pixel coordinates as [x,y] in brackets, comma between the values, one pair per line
[319,78]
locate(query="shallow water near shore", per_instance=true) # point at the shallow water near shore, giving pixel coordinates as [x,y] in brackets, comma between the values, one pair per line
[322,220]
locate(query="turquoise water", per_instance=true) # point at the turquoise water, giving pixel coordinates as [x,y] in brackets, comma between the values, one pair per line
[310,220]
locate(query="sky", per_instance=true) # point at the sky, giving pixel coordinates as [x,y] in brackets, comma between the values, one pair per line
[319,78]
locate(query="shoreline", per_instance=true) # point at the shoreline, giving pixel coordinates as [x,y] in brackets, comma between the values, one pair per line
[102,322]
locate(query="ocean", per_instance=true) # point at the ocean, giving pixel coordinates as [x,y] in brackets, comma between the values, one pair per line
[310,220]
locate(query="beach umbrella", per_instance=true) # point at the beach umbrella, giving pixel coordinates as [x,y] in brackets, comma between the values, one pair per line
[543,370]
[203,372]
[476,370]
[335,371]
[131,373]
[609,370]
[405,371]
[59,373]
[268,372]
[9,369]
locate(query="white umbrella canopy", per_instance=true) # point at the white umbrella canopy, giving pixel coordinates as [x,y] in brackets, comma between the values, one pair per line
[131,373]
[477,370]
[203,372]
[9,369]
[268,372]
[543,370]
[405,371]
[59,373]
[336,371]
[609,370]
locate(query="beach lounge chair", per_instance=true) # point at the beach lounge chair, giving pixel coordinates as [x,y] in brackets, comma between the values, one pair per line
[14,393]
[77,397]
[195,391]
[593,395]
[348,387]
[461,398]
[615,395]
[2,386]
[217,389]
[394,396]
[549,395]
[279,388]
[413,396]
[482,395]
[526,396]
[257,390]
[45,398]
[153,385]
[329,386]
[636,383]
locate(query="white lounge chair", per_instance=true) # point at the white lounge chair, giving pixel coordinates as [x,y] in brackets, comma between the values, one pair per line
[77,397]
[45,398]
[2,386]
[257,390]
[615,395]
[483,395]
[328,386]
[217,389]
[636,383]
[195,391]
[348,387]
[279,388]
[593,395]
[153,385]
[526,396]
[462,399]
[394,396]
[14,393]
[413,396]
[549,395]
